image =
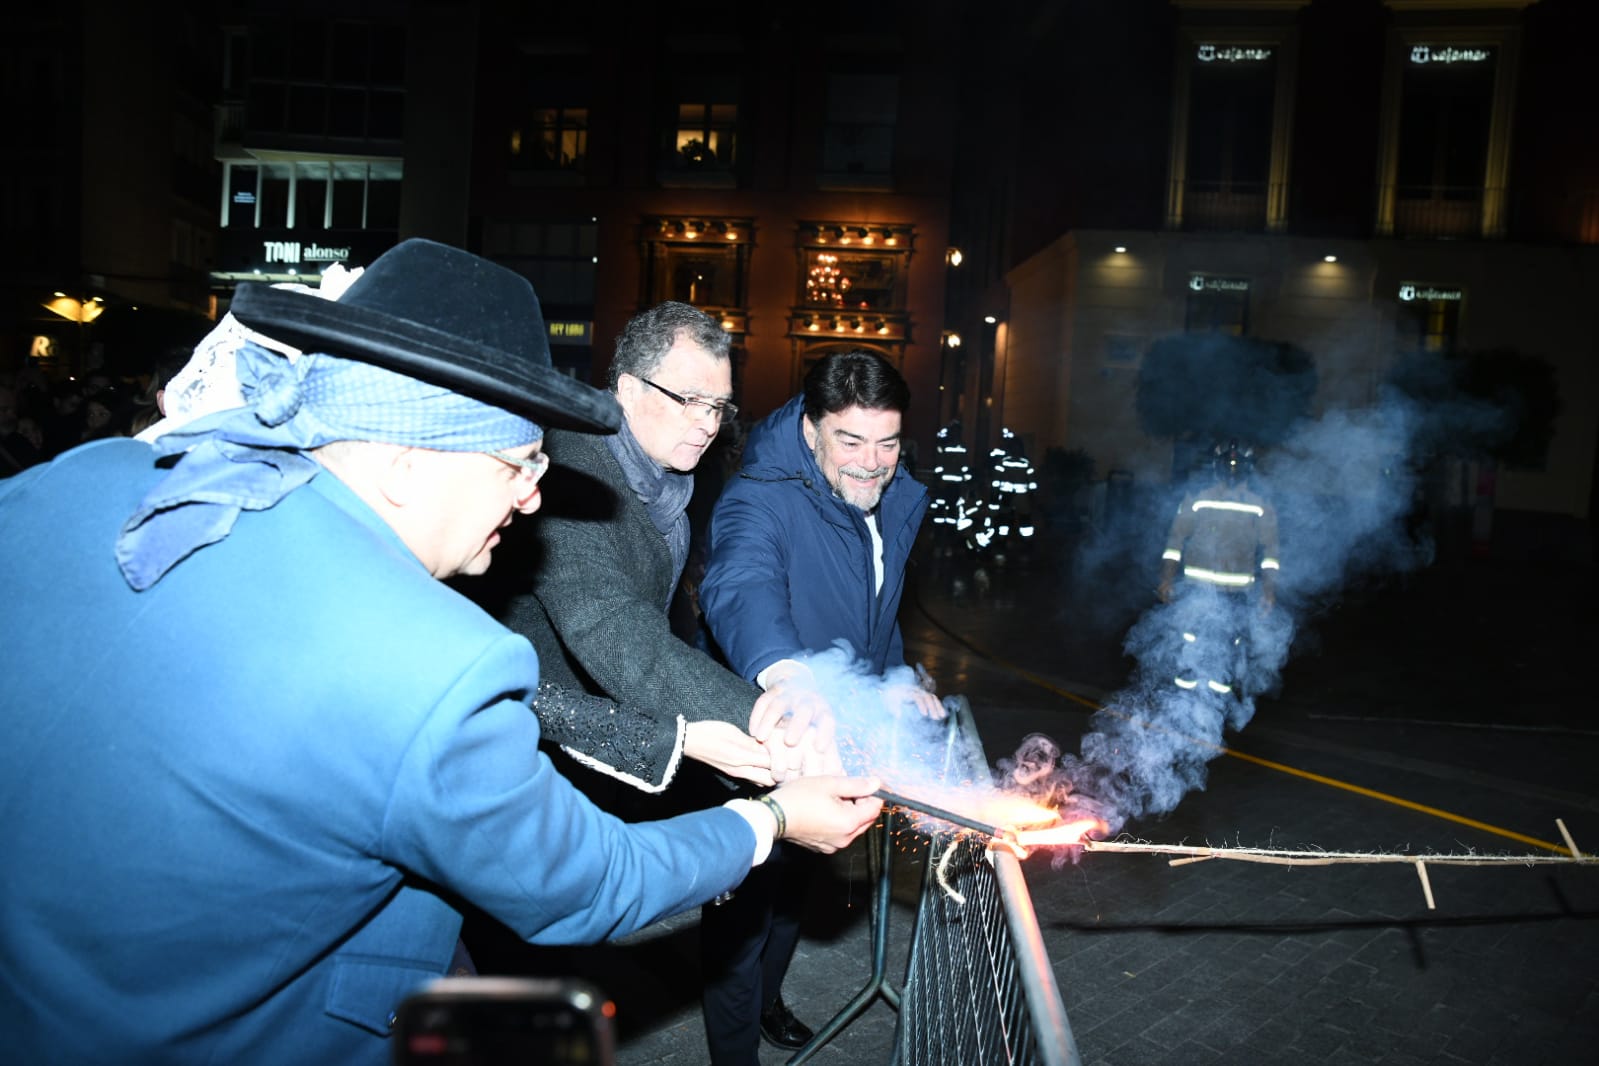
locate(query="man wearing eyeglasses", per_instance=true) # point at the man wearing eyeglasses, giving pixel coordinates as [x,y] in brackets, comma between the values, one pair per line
[260,756]
[594,597]
[595,579]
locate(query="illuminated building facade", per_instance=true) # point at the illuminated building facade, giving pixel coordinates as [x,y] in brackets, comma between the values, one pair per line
[789,173]
[1369,180]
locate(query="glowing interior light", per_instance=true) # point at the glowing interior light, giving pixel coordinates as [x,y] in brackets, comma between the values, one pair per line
[1329,259]
[1180,683]
[1121,249]
[1189,637]
[1217,686]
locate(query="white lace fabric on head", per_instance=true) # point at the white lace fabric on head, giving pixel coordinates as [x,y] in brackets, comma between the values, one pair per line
[209,381]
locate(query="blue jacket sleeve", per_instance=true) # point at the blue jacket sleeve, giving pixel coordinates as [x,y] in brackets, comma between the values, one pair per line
[479,809]
[744,594]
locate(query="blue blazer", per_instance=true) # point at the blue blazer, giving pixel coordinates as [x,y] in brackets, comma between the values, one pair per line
[236,809]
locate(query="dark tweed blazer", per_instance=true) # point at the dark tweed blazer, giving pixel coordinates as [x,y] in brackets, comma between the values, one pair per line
[593,581]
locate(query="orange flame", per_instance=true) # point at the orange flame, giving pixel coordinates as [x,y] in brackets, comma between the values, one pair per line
[1016,812]
[1063,835]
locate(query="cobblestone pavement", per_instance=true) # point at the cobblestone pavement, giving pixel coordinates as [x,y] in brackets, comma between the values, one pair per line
[1448,714]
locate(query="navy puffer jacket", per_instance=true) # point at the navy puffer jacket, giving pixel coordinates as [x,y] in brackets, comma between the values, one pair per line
[790,567]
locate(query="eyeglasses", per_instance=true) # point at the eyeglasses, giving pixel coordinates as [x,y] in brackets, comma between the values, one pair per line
[531,469]
[723,412]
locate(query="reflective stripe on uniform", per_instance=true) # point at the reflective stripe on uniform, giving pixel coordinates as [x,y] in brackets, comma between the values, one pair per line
[1229,505]
[1218,577]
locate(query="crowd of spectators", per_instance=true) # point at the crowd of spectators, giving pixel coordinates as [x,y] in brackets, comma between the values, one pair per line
[42,416]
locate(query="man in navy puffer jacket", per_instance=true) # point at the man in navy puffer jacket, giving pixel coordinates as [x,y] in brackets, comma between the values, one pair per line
[808,547]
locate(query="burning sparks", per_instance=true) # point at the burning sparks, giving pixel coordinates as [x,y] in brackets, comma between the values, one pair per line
[1010,820]
[1015,811]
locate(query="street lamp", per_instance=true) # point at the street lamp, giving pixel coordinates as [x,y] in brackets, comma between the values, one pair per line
[80,311]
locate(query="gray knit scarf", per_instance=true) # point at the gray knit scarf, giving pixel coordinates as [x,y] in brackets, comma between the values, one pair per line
[664,494]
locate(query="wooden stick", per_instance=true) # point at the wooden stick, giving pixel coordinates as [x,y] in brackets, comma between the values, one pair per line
[1328,858]
[1560,824]
[1426,886]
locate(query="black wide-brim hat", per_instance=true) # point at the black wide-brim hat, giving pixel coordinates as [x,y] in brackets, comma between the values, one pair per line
[443,316]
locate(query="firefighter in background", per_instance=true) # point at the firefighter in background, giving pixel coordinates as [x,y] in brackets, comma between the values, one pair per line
[951,489]
[1224,543]
[1007,515]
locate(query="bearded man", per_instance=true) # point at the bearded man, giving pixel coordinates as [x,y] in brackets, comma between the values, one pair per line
[808,547]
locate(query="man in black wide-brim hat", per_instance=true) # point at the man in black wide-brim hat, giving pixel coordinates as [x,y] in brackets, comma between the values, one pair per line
[257,751]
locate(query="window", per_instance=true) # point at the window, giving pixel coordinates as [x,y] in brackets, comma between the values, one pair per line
[858,141]
[1229,137]
[1445,112]
[273,210]
[548,139]
[557,257]
[316,78]
[266,107]
[702,136]
[350,44]
[700,261]
[853,283]
[308,109]
[1232,121]
[1428,320]
[553,139]
[1217,305]
[350,196]
[705,136]
[383,197]
[1448,104]
[311,196]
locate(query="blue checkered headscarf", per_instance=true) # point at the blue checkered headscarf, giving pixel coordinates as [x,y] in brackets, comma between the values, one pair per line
[248,458]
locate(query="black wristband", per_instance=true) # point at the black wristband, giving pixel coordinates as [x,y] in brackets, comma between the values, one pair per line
[766,800]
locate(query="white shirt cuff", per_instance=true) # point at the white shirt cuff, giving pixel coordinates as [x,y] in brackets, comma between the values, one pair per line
[763,821]
[780,671]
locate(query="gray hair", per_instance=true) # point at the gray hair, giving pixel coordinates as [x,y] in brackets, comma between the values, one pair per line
[650,334]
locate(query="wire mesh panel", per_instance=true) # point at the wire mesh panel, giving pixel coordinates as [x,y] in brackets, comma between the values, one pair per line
[979,987]
[967,998]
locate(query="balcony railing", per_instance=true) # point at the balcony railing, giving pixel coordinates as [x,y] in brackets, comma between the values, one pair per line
[1438,211]
[1225,205]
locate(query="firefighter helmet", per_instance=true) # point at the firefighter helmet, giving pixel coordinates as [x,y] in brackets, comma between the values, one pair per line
[1234,461]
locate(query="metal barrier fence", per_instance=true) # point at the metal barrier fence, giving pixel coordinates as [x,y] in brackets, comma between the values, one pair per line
[979,988]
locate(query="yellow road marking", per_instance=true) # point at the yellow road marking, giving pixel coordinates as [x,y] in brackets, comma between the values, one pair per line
[1320,779]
